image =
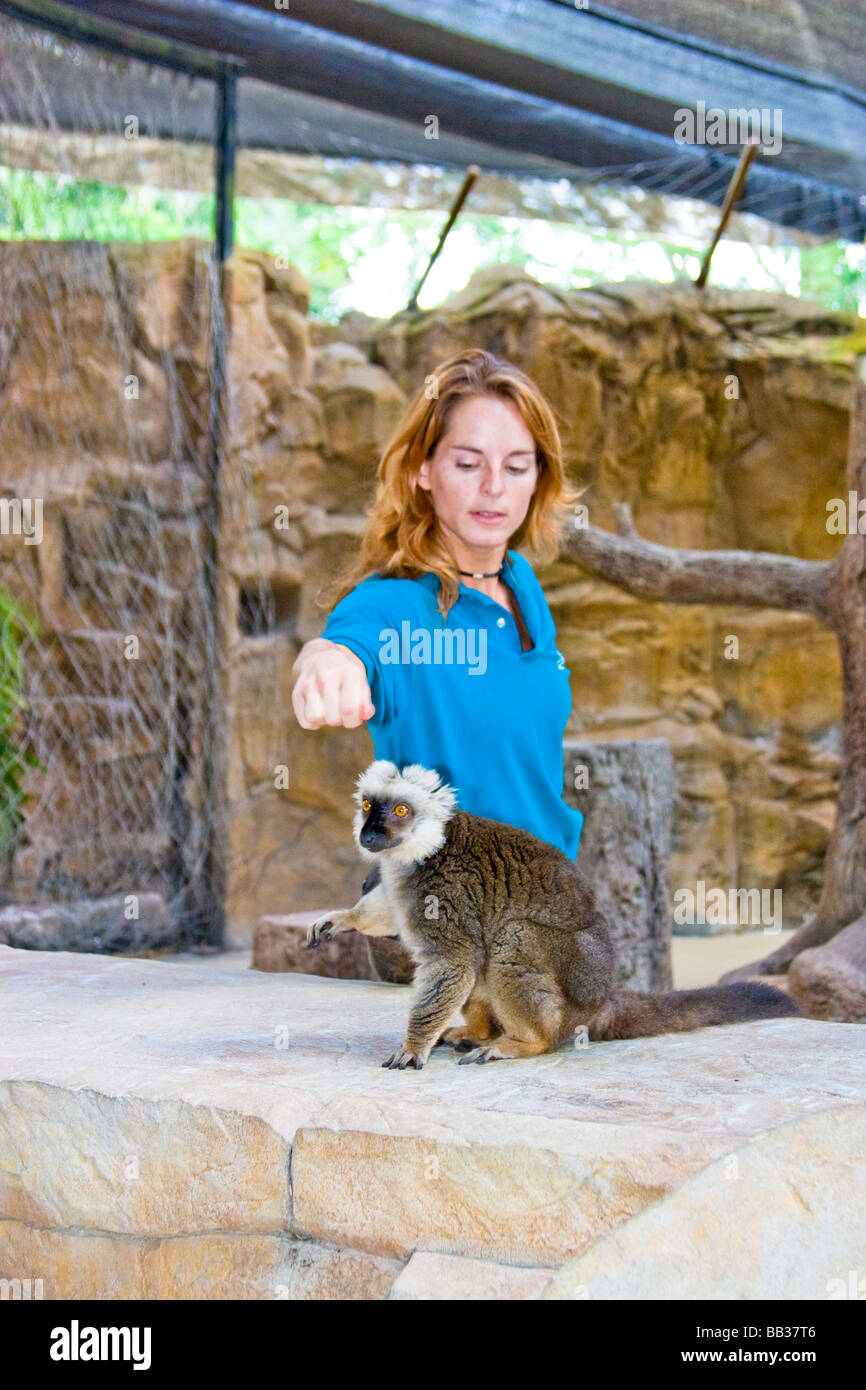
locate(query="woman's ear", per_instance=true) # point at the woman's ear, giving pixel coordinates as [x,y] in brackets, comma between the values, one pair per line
[423,476]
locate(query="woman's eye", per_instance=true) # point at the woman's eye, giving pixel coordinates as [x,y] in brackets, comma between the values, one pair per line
[511,468]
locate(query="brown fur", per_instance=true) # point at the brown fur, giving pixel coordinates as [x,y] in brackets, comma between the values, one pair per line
[505,928]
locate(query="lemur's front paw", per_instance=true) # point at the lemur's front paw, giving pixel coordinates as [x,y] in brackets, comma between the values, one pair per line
[323,929]
[404,1058]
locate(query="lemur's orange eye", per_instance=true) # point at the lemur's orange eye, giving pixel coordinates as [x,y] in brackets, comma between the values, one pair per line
[401,810]
[365,804]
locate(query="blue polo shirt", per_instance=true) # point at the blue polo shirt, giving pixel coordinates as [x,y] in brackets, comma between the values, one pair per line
[464,698]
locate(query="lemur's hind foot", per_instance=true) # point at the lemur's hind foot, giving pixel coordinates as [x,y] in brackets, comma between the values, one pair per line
[502,1048]
[461,1039]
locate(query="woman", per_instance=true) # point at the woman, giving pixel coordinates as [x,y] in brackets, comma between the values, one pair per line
[442,641]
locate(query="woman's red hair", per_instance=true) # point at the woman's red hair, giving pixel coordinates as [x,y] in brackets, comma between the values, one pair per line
[401,539]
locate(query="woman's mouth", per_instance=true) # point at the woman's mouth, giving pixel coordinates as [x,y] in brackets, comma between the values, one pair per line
[488,516]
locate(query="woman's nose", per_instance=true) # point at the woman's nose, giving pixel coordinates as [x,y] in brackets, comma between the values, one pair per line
[494,483]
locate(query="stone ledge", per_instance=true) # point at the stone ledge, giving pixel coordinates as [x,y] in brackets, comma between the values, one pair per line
[81,1158]
[430,1277]
[217,1265]
[794,1203]
[167,1112]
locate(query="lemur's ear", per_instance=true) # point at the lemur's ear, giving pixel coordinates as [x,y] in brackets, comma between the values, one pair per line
[419,776]
[381,769]
[374,782]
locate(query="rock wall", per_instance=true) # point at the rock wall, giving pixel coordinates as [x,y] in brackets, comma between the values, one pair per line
[720,417]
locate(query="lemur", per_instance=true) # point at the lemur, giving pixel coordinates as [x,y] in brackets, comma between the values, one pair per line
[504,927]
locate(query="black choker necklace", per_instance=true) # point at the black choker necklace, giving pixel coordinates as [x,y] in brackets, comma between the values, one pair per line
[472,575]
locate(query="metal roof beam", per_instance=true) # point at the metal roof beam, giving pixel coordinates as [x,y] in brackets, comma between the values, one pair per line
[817,191]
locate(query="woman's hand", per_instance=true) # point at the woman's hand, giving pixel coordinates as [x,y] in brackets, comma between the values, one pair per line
[330,686]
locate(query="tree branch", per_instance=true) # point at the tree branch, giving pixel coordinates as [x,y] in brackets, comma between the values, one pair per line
[752,578]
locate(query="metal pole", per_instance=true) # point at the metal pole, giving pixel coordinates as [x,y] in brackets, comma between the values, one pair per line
[226,142]
[209,894]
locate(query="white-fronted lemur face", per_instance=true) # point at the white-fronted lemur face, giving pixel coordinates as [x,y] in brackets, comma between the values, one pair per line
[482,473]
[387,821]
[401,813]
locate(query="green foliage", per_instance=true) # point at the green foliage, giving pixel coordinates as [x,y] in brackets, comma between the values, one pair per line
[833,277]
[370,258]
[54,208]
[327,244]
[15,626]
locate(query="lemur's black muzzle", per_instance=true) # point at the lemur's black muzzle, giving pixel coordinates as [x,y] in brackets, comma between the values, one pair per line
[374,836]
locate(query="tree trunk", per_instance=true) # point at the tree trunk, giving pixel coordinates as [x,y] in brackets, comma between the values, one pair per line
[832,591]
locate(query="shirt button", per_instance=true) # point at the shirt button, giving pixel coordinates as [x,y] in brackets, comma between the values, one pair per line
[500,622]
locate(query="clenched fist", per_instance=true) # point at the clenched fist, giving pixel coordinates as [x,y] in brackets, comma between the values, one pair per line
[330,687]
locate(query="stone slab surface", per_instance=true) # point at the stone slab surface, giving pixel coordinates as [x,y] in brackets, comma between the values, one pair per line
[437,1278]
[151,1103]
[215,1265]
[794,1204]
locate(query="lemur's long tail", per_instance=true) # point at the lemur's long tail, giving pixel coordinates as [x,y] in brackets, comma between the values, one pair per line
[630,1014]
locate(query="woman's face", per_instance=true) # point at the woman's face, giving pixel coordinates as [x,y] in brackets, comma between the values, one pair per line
[482,475]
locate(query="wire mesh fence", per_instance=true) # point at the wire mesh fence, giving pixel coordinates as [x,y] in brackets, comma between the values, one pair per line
[121,631]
